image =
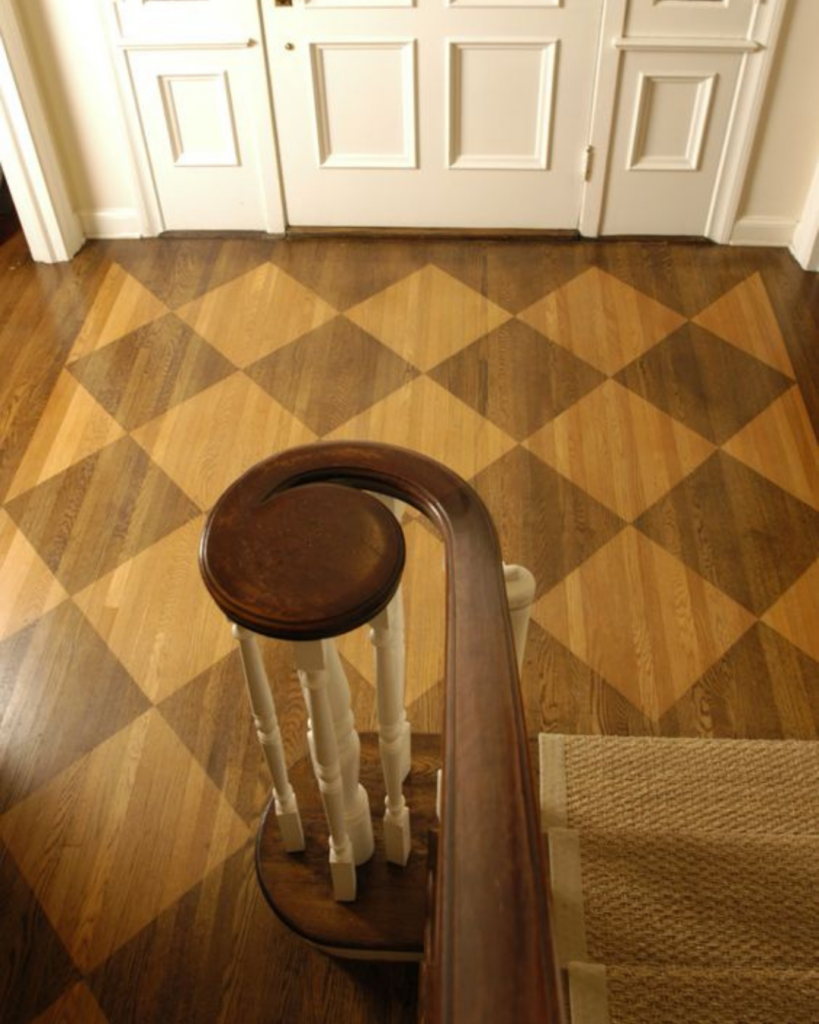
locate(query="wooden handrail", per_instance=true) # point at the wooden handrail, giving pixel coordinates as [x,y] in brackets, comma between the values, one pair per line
[490,956]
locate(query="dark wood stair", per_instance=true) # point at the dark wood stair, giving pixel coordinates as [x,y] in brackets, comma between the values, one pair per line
[388,917]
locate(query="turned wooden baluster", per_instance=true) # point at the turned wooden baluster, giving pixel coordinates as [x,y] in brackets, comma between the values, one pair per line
[313,664]
[270,738]
[387,638]
[356,803]
[311,564]
[520,595]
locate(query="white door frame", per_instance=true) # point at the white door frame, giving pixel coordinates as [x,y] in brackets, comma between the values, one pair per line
[29,160]
[757,60]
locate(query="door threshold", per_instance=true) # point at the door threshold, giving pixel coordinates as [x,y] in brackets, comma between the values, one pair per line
[521,234]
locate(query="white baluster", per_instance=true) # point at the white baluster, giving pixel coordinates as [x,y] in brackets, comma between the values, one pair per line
[439,791]
[270,738]
[387,637]
[314,676]
[520,594]
[356,803]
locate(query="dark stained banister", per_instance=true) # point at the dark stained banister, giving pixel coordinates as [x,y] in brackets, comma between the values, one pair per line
[489,957]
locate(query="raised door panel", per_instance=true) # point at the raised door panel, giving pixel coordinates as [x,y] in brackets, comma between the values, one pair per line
[196,111]
[500,106]
[668,141]
[690,18]
[349,78]
[161,19]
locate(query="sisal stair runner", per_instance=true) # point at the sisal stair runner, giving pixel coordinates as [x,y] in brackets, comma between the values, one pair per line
[685,877]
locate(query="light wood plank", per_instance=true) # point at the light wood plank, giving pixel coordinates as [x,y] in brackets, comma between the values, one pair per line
[780,444]
[796,614]
[425,417]
[119,836]
[76,1006]
[256,314]
[427,317]
[642,620]
[620,449]
[72,426]
[156,616]
[121,305]
[744,316]
[204,444]
[602,320]
[28,588]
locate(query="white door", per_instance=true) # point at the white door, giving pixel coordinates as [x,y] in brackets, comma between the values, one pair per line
[196,101]
[437,113]
[678,85]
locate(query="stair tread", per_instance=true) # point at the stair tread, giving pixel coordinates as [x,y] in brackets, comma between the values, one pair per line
[687,852]
[388,916]
[666,785]
[680,995]
[630,898]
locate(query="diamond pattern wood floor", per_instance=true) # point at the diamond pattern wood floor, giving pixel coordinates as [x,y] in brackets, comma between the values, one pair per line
[639,418]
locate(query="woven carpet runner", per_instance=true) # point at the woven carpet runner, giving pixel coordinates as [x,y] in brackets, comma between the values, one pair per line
[685,876]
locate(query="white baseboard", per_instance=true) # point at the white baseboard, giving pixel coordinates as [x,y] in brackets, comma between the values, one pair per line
[805,246]
[116,222]
[805,250]
[772,231]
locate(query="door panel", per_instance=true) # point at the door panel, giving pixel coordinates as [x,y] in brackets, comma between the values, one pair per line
[166,18]
[444,114]
[343,74]
[690,18]
[500,104]
[196,111]
[668,141]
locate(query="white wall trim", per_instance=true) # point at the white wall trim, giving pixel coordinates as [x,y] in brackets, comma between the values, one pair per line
[771,231]
[744,121]
[184,43]
[111,223]
[805,245]
[148,209]
[30,162]
[666,44]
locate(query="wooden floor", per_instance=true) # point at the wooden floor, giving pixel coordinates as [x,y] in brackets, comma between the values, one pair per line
[639,417]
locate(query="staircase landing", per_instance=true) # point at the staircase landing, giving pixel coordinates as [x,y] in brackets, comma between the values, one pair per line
[387,919]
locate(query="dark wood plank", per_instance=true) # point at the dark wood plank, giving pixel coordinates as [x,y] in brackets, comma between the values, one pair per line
[150,370]
[34,965]
[742,533]
[41,310]
[219,956]
[100,512]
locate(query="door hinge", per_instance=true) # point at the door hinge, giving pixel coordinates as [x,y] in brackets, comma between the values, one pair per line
[588,157]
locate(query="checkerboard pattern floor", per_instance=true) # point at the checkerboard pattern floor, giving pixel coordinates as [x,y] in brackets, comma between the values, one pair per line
[637,417]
